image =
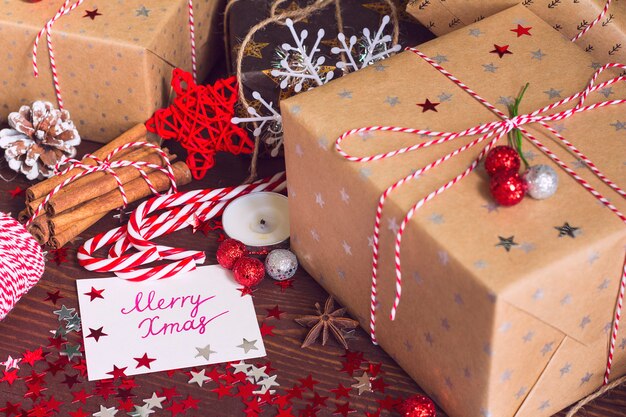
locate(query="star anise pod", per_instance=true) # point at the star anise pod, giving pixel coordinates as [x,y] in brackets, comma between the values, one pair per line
[327,321]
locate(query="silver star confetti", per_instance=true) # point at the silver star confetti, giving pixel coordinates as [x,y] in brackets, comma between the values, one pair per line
[363,383]
[198,377]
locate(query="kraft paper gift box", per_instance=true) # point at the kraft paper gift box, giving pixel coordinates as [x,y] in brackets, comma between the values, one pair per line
[115,69]
[505,311]
[605,42]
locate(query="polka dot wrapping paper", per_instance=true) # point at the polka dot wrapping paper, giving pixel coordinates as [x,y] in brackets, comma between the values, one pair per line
[114,59]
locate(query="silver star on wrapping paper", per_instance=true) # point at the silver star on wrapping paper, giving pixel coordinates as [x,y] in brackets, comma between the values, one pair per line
[345,197]
[440,59]
[143,411]
[507,242]
[198,377]
[105,412]
[565,369]
[248,345]
[154,401]
[363,383]
[547,348]
[584,322]
[538,55]
[475,32]
[319,200]
[380,67]
[618,125]
[544,405]
[567,230]
[490,67]
[205,352]
[346,248]
[521,392]
[528,337]
[586,378]
[623,344]
[606,91]
[443,97]
[142,11]
[392,101]
[552,93]
[604,285]
[347,94]
[64,313]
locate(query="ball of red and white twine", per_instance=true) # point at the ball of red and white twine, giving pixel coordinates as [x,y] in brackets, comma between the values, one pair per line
[181,209]
[21,263]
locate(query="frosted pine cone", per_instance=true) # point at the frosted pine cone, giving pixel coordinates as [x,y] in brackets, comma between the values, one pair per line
[40,136]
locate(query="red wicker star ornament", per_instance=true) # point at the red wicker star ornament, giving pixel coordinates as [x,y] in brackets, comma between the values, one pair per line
[199,118]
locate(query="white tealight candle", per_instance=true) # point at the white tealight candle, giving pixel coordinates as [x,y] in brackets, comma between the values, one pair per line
[258,219]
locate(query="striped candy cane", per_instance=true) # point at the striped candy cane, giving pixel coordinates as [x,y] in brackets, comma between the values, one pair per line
[492,131]
[143,226]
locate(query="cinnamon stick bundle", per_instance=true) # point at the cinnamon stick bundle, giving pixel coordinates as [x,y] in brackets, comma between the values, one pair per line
[40,229]
[64,236]
[135,190]
[136,134]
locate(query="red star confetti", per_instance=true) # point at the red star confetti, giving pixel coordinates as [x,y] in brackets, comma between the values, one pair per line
[81,366]
[79,413]
[117,372]
[285,413]
[11,409]
[53,296]
[343,409]
[9,376]
[222,391]
[318,400]
[246,291]
[295,392]
[267,330]
[176,408]
[374,369]
[38,411]
[54,368]
[341,391]
[190,402]
[30,357]
[501,50]
[126,404]
[80,396]
[374,414]
[16,192]
[96,334]
[35,378]
[428,106]
[288,283]
[51,405]
[128,383]
[124,393]
[521,30]
[388,403]
[34,391]
[92,14]
[104,388]
[281,401]
[94,293]
[169,393]
[59,255]
[274,312]
[309,411]
[308,382]
[379,385]
[144,361]
[56,342]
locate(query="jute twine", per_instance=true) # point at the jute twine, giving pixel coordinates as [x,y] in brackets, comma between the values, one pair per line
[296,16]
[608,387]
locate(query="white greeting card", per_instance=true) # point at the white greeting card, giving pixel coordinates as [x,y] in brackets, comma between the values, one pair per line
[194,319]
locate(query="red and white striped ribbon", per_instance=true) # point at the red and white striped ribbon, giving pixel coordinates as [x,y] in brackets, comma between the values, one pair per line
[143,226]
[108,166]
[594,22]
[67,8]
[492,131]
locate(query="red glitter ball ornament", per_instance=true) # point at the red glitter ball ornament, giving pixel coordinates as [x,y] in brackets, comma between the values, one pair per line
[417,406]
[507,188]
[502,158]
[229,252]
[248,271]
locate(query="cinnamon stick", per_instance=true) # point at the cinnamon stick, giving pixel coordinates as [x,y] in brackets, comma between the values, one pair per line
[135,190]
[61,238]
[23,216]
[101,183]
[137,133]
[40,229]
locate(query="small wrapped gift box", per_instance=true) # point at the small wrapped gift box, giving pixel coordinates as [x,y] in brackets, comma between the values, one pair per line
[114,61]
[604,41]
[505,311]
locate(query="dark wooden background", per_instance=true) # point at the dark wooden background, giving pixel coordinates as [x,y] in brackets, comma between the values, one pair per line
[28,326]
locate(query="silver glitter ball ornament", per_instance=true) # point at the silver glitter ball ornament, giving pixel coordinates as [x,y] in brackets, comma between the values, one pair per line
[542,181]
[281,264]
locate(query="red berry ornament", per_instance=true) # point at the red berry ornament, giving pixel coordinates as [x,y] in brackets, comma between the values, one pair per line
[229,251]
[502,158]
[417,406]
[507,188]
[248,271]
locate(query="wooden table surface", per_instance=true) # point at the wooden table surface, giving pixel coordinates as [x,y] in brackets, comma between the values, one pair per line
[28,327]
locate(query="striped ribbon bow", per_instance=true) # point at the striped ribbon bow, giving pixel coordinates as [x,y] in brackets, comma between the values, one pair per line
[66,8]
[108,165]
[490,132]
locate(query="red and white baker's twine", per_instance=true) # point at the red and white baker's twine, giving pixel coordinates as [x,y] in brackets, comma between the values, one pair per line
[67,8]
[108,166]
[180,209]
[492,131]
[594,22]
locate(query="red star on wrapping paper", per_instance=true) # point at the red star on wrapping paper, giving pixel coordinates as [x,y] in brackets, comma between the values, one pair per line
[11,409]
[274,312]
[343,409]
[200,118]
[501,50]
[288,283]
[16,192]
[144,361]
[92,14]
[59,255]
[31,357]
[94,293]
[341,391]
[428,105]
[318,400]
[521,30]
[53,296]
[308,382]
[117,372]
[267,330]
[285,413]
[246,291]
[96,334]
[79,413]
[80,396]
[190,402]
